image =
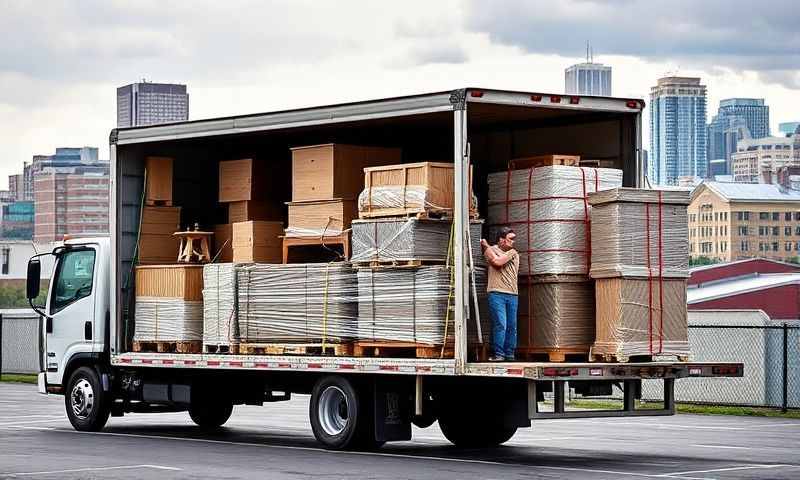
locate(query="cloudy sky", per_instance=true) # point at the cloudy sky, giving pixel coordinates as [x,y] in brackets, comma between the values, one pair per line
[60,62]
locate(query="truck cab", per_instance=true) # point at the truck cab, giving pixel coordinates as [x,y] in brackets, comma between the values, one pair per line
[76,310]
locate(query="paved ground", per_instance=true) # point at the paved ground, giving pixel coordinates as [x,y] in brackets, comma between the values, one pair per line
[275,441]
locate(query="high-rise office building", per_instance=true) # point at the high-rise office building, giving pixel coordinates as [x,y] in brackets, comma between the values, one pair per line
[722,134]
[149,103]
[753,110]
[788,129]
[588,79]
[677,130]
[71,194]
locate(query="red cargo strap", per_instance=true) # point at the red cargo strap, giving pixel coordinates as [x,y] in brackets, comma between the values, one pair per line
[660,276]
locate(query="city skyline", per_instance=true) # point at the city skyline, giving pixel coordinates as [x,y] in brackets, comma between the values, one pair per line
[455,44]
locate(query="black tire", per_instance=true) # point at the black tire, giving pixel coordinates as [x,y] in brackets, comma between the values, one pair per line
[341,415]
[484,432]
[88,406]
[210,413]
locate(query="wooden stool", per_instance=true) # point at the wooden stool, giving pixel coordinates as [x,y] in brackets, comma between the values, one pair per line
[342,239]
[187,252]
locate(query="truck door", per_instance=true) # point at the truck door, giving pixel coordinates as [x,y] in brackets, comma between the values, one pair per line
[70,309]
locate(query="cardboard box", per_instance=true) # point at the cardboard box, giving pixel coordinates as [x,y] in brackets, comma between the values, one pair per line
[156,242]
[410,188]
[318,217]
[556,312]
[257,241]
[242,180]
[170,281]
[159,180]
[246,210]
[223,242]
[634,317]
[324,172]
[545,161]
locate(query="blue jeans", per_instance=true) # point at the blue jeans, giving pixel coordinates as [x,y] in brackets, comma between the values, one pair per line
[503,311]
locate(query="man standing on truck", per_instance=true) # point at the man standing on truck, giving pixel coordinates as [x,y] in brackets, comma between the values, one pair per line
[502,289]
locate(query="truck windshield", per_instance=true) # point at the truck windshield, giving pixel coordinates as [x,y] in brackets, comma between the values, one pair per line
[73,279]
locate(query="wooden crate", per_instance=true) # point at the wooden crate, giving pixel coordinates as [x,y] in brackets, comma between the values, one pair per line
[544,161]
[386,190]
[156,242]
[246,210]
[241,180]
[223,239]
[159,180]
[330,216]
[323,172]
[170,281]
[257,241]
[634,317]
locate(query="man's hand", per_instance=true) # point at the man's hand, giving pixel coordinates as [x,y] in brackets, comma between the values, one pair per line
[484,244]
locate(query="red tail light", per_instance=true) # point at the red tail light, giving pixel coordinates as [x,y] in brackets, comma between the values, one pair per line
[632,104]
[555,99]
[476,94]
[536,98]
[574,100]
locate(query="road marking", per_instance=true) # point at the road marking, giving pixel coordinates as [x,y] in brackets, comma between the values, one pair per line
[729,469]
[89,469]
[721,446]
[377,454]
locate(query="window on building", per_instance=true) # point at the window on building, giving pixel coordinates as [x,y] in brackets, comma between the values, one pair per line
[797,216]
[787,230]
[760,247]
[776,216]
[743,230]
[5,260]
[763,215]
[747,215]
[775,231]
[788,216]
[744,246]
[788,246]
[716,219]
[774,246]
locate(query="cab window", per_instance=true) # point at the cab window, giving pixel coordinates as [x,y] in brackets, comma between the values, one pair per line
[73,279]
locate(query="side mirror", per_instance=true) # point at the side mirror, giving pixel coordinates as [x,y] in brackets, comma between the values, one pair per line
[34,278]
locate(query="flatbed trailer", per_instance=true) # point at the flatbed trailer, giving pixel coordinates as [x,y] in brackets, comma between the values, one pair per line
[357,402]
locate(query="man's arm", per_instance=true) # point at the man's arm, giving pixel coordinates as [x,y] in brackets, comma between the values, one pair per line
[495,259]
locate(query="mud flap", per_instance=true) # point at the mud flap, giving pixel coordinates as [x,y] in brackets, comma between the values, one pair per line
[392,412]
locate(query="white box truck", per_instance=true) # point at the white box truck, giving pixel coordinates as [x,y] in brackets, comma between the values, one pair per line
[356,402]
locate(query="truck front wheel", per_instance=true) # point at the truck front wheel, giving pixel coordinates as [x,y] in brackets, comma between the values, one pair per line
[88,406]
[210,413]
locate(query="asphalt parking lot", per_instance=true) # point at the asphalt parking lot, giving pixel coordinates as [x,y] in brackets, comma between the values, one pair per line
[275,441]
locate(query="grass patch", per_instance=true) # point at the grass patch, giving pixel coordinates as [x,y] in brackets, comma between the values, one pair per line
[689,408]
[18,378]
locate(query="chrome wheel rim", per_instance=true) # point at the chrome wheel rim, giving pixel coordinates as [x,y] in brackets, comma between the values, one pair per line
[333,410]
[82,399]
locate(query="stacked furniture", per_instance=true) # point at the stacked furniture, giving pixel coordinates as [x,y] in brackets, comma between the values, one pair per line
[548,209]
[640,252]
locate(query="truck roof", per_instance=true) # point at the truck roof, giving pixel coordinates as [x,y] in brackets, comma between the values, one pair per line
[368,109]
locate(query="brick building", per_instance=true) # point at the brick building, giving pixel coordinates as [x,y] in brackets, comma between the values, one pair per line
[734,221]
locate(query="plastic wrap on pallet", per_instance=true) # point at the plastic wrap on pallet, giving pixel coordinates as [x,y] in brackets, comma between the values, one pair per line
[160,319]
[556,312]
[220,326]
[296,303]
[386,240]
[637,232]
[412,197]
[641,316]
[548,209]
[405,305]
[295,232]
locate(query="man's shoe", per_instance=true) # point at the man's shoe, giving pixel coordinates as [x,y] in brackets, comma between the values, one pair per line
[511,359]
[495,358]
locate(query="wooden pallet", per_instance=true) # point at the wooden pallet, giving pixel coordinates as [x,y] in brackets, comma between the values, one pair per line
[572,354]
[232,349]
[195,346]
[400,349]
[334,349]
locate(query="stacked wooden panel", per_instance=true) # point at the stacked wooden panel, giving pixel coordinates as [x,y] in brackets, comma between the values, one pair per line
[220,324]
[157,244]
[545,202]
[640,264]
[169,308]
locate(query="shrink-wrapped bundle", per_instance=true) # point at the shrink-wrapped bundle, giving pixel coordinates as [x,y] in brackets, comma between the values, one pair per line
[220,326]
[164,319]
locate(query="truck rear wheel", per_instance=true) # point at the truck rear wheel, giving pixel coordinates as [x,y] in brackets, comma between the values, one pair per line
[341,415]
[473,431]
[88,406]
[210,413]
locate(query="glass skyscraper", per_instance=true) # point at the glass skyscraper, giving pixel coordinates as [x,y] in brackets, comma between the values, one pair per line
[677,130]
[149,103]
[752,110]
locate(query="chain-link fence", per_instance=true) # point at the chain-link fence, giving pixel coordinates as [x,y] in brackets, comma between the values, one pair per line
[769,350]
[20,334]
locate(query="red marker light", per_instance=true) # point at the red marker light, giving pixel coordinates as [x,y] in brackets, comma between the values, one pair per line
[574,100]
[632,104]
[476,94]
[536,98]
[555,99]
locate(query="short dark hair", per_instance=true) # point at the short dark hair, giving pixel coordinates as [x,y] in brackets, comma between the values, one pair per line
[503,233]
